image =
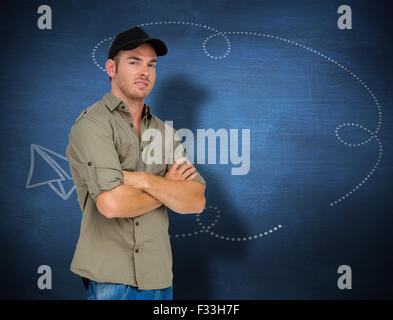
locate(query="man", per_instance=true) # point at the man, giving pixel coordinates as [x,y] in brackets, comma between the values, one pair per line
[124,251]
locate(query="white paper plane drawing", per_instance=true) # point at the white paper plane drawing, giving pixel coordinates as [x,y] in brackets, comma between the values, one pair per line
[55,184]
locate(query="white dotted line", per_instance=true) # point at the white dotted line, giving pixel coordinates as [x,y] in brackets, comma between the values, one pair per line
[200,224]
[368,176]
[348,124]
[198,220]
[169,23]
[253,237]
[373,135]
[331,60]
[93,53]
[178,22]
[207,229]
[204,41]
[217,57]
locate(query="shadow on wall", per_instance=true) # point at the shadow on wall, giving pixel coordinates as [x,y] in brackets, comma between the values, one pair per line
[180,99]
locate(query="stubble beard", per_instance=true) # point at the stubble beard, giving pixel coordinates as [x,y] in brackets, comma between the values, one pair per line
[130,92]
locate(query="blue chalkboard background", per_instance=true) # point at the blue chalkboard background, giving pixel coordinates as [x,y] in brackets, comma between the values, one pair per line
[317,101]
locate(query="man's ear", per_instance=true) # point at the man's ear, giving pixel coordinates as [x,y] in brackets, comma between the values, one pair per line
[110,68]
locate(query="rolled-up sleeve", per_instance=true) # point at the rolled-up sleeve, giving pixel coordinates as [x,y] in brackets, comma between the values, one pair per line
[177,155]
[92,154]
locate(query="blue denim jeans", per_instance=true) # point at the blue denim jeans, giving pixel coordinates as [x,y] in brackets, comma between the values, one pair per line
[115,291]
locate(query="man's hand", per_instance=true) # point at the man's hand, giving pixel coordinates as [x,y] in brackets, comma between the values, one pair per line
[186,172]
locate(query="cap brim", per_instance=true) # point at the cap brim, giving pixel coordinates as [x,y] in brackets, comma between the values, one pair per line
[158,45]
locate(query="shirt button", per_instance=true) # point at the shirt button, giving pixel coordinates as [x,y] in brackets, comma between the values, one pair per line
[122,107]
[137,223]
[131,125]
[89,163]
[136,250]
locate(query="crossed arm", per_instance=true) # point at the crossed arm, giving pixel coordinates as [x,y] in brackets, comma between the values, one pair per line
[143,192]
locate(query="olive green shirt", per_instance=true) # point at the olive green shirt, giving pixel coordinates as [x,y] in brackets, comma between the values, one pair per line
[134,251]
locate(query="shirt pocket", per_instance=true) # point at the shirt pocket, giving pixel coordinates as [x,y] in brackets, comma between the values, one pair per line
[127,151]
[129,161]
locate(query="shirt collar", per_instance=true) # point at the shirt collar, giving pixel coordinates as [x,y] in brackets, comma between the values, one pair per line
[112,102]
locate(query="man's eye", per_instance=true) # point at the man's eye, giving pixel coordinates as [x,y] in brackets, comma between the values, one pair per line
[152,65]
[133,62]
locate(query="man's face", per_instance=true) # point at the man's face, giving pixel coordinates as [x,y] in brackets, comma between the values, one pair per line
[136,71]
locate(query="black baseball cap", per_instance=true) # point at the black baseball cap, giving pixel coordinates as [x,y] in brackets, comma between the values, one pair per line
[132,38]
